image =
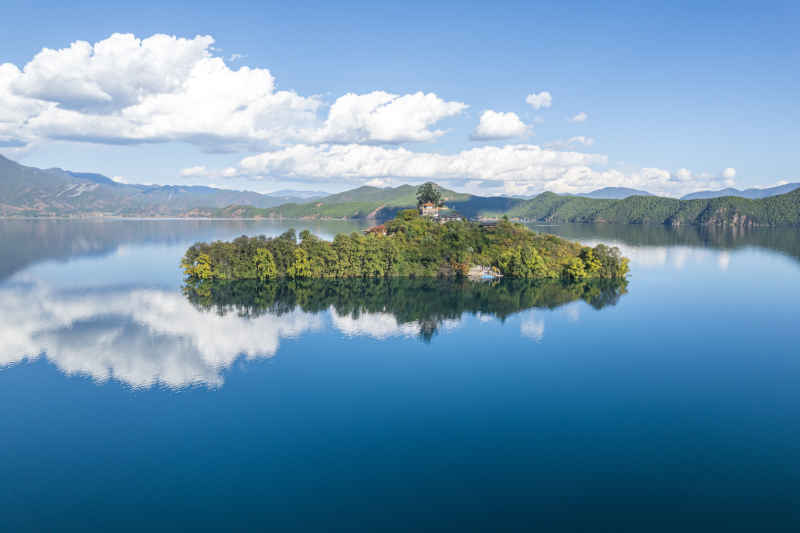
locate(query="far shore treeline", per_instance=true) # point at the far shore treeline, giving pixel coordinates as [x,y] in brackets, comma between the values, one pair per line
[408,246]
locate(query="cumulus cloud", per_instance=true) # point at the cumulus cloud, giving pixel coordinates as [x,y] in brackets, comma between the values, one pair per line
[562,144]
[358,163]
[538,101]
[381,117]
[510,169]
[163,88]
[496,125]
[128,90]
[580,117]
[198,170]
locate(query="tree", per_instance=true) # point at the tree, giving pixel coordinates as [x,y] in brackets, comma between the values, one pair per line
[265,265]
[199,268]
[301,268]
[575,271]
[429,192]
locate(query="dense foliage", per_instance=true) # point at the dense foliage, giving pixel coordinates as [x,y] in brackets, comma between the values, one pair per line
[423,301]
[412,246]
[781,210]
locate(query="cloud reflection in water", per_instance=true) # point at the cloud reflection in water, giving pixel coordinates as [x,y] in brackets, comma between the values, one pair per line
[146,337]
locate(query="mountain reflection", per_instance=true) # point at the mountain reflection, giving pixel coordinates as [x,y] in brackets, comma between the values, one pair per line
[154,337]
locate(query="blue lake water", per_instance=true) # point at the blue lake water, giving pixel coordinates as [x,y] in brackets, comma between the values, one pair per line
[125,405]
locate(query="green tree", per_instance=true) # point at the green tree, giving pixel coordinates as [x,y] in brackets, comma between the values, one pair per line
[301,268]
[265,265]
[200,268]
[575,271]
[429,192]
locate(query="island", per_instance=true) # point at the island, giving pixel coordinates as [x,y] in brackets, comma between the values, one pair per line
[418,243]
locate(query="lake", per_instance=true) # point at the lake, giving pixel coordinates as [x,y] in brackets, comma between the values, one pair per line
[129,404]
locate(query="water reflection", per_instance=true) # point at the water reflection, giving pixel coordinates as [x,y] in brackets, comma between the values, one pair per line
[26,242]
[141,337]
[422,306]
[33,241]
[656,245]
[148,337]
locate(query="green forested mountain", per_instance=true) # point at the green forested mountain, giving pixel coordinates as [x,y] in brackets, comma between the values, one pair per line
[29,191]
[753,193]
[613,193]
[547,208]
[373,202]
[772,211]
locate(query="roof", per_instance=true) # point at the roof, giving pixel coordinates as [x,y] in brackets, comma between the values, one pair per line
[376,229]
[427,204]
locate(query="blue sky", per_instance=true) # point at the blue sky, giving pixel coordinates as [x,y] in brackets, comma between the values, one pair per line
[674,93]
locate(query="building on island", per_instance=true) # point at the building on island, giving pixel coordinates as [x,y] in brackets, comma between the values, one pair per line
[376,230]
[428,209]
[451,216]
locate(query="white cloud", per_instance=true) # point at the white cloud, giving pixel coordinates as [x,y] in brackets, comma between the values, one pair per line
[198,170]
[538,101]
[164,88]
[510,169]
[358,163]
[580,117]
[562,144]
[380,117]
[496,125]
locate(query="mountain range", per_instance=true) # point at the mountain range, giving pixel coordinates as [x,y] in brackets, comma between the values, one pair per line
[548,207]
[28,191]
[753,193]
[613,193]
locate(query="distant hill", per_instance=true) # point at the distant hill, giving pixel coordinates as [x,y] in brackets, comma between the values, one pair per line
[29,191]
[299,195]
[753,193]
[772,211]
[613,193]
[545,208]
[370,202]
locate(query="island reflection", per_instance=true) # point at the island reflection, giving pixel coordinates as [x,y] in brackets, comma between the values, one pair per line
[422,303]
[149,337]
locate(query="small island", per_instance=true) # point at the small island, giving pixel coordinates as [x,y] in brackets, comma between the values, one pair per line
[416,244]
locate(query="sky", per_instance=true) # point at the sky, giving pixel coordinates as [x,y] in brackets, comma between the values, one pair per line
[491,98]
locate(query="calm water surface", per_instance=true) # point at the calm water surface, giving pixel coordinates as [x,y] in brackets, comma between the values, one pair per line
[673,405]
